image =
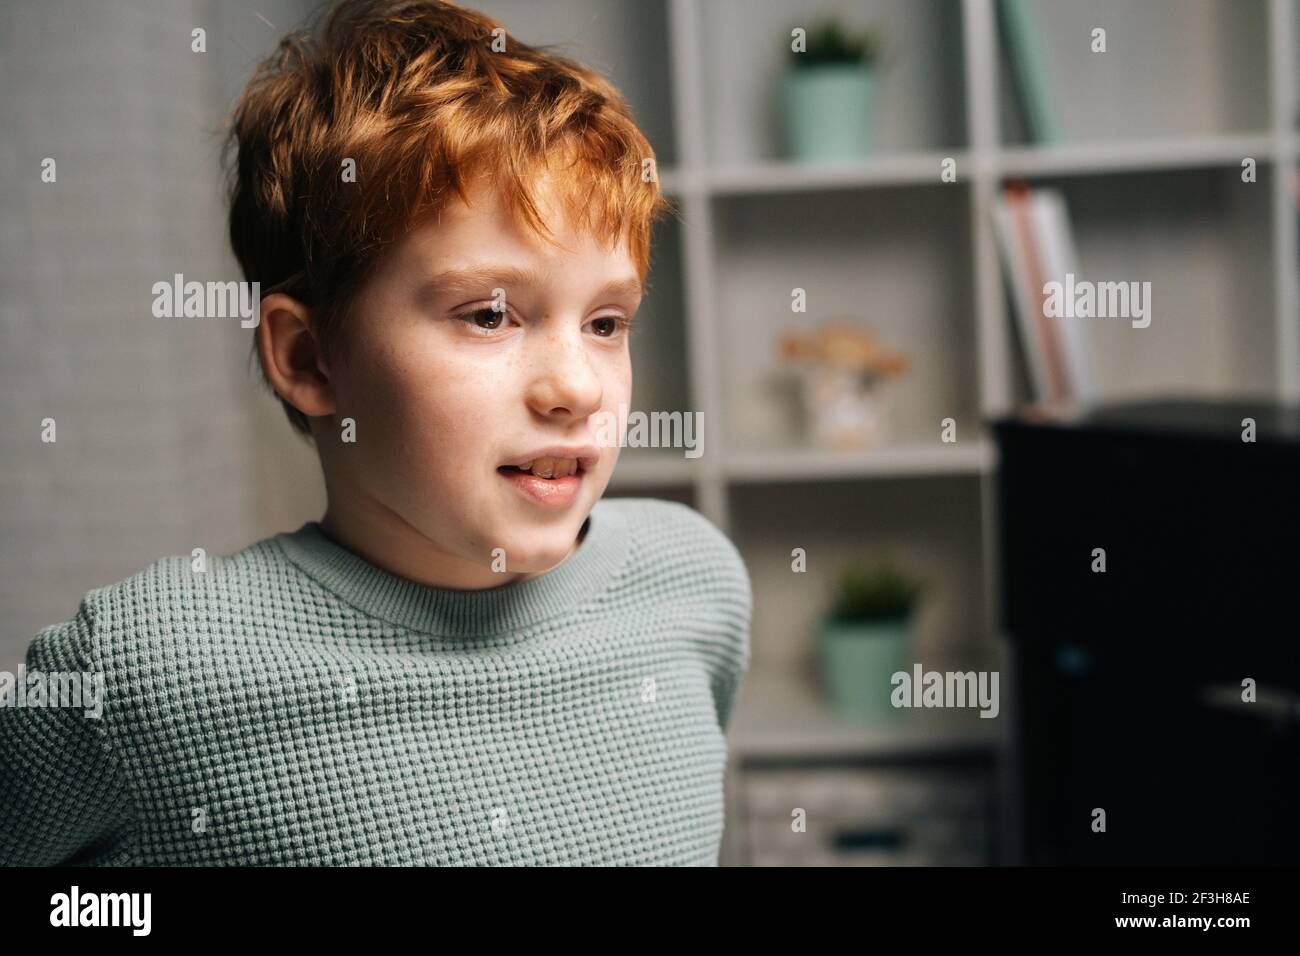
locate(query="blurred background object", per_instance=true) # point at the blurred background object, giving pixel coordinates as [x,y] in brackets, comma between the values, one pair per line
[1148,556]
[843,373]
[865,639]
[828,92]
[1166,148]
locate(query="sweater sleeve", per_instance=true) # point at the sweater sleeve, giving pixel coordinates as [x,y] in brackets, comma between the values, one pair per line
[738,611]
[62,796]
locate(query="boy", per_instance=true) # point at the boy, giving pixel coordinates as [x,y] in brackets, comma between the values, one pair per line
[471,658]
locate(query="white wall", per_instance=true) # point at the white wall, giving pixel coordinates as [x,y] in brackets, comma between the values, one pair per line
[164,443]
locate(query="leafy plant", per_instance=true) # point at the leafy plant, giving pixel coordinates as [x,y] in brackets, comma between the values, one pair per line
[829,42]
[879,592]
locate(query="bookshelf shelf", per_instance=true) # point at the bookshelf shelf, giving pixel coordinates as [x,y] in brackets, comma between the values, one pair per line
[882,170]
[1090,159]
[909,459]
[1076,159]
[640,470]
[913,459]
[778,715]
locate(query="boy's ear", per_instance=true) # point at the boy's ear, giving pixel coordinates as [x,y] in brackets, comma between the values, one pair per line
[291,357]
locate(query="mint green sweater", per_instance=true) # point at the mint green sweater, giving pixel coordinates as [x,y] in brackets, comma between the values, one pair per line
[295,704]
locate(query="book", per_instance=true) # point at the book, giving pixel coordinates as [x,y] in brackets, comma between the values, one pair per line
[1059,262]
[1037,247]
[1025,54]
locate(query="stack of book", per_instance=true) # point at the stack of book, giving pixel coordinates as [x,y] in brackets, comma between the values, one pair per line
[1037,245]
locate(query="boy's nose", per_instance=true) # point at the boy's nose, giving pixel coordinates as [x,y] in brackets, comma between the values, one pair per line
[563,376]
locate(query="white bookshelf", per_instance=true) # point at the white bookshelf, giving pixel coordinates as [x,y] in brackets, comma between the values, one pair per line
[1171,205]
[1156,131]
[1156,127]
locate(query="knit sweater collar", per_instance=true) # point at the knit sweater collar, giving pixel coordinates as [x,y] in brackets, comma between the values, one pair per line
[465,614]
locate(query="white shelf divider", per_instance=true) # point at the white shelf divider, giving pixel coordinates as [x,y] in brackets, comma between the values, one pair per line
[697,250]
[1282,99]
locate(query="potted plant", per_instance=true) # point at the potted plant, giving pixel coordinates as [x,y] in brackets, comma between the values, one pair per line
[865,639]
[828,93]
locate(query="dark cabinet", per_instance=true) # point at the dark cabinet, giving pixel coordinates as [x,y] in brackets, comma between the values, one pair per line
[1129,682]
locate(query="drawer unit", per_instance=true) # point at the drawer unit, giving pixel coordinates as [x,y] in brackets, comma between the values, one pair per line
[873,816]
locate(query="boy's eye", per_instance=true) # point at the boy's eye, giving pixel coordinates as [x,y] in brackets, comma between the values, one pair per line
[608,326]
[614,326]
[491,319]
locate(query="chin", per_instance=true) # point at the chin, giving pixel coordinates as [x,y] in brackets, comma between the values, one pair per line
[541,551]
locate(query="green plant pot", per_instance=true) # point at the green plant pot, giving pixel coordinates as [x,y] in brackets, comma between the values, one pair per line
[857,662]
[828,112]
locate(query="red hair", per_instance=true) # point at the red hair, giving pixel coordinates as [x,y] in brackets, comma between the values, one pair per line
[425,98]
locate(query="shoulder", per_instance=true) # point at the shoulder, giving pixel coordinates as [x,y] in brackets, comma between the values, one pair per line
[690,572]
[668,536]
[138,618]
[659,518]
[180,585]
[681,563]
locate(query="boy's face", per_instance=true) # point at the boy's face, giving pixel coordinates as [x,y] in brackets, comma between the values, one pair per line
[445,391]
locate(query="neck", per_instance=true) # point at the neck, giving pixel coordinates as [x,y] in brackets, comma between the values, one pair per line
[378,534]
[492,616]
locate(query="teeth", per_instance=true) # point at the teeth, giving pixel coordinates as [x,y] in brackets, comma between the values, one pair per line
[551,467]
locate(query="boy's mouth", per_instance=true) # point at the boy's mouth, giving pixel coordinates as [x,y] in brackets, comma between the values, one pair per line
[546,481]
[557,461]
[548,468]
[550,479]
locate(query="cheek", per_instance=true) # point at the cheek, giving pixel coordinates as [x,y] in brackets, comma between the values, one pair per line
[430,412]
[617,381]
[616,384]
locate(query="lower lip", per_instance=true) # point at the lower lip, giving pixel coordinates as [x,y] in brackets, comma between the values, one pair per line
[551,492]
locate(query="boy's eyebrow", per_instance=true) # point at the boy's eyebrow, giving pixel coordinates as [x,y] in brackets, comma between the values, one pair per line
[475,278]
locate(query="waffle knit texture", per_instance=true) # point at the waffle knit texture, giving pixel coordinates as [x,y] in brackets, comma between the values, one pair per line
[294,704]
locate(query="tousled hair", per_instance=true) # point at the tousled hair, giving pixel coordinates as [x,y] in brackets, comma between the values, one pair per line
[425,99]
